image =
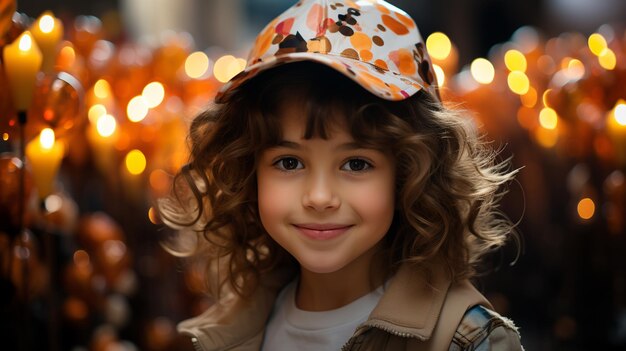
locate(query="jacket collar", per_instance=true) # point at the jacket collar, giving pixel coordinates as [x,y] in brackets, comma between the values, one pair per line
[410,306]
[412,302]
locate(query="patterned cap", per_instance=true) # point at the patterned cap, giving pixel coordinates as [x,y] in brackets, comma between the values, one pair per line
[370,41]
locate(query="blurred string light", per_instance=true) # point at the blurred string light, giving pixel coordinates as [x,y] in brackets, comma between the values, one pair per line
[514,60]
[197,65]
[102,89]
[586,208]
[227,67]
[548,118]
[619,114]
[137,109]
[518,82]
[95,112]
[596,43]
[530,98]
[607,59]
[482,71]
[46,24]
[440,74]
[135,162]
[153,93]
[438,45]
[106,125]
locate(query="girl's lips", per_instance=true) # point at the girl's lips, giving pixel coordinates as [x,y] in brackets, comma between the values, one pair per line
[322,231]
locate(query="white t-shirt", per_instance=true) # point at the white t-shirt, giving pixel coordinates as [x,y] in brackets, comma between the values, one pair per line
[291,328]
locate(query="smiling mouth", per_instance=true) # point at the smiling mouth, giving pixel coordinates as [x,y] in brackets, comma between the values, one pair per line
[322,231]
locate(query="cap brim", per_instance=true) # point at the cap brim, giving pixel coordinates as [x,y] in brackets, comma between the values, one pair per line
[380,82]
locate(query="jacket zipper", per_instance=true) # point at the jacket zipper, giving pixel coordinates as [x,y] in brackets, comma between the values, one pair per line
[369,325]
[196,344]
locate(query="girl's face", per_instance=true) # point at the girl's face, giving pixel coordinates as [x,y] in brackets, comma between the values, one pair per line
[328,202]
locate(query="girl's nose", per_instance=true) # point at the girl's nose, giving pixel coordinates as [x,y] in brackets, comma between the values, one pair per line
[320,194]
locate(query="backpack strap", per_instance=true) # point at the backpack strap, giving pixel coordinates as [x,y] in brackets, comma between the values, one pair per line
[460,297]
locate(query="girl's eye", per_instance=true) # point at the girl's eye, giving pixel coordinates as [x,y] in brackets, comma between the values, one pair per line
[356,165]
[288,164]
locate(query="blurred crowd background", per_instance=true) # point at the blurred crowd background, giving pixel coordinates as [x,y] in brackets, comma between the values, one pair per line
[545,79]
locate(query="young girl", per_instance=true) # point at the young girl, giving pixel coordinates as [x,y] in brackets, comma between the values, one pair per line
[339,204]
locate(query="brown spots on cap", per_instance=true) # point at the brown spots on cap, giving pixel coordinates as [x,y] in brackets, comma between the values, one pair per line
[378,40]
[333,7]
[292,43]
[381,27]
[345,30]
[350,53]
[394,25]
[277,39]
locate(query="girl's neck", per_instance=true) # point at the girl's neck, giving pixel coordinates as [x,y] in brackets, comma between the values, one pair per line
[328,291]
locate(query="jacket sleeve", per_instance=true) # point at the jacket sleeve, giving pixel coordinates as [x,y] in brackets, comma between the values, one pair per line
[483,330]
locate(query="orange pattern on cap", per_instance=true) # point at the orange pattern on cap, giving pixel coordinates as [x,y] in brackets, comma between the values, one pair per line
[394,25]
[372,42]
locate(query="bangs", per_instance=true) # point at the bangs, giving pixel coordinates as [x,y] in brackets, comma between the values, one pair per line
[328,100]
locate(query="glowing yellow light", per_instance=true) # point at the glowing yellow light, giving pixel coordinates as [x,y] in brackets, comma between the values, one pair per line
[575,69]
[135,162]
[26,42]
[225,68]
[544,97]
[586,208]
[438,45]
[548,118]
[137,109]
[242,64]
[5,136]
[596,43]
[102,89]
[515,61]
[154,93]
[530,98]
[518,82]
[196,64]
[546,137]
[482,71]
[46,23]
[95,112]
[440,74]
[46,138]
[607,59]
[620,113]
[106,125]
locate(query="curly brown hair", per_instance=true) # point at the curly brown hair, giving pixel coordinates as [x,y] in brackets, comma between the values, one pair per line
[448,181]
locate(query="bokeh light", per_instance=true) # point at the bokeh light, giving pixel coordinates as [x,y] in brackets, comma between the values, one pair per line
[515,61]
[153,93]
[135,162]
[596,43]
[438,45]
[586,208]
[197,64]
[518,82]
[106,125]
[137,109]
[440,74]
[482,71]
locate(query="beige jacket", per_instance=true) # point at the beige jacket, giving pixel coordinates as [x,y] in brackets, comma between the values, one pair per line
[411,315]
